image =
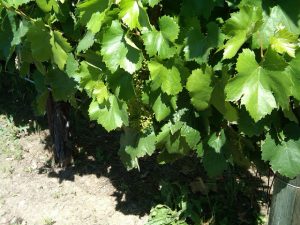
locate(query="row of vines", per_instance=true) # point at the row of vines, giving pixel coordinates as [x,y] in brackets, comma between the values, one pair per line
[216,79]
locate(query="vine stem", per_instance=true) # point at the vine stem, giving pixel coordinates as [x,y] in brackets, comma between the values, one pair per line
[22,14]
[261,45]
[19,12]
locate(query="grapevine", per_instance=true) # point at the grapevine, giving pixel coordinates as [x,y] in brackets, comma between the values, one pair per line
[214,79]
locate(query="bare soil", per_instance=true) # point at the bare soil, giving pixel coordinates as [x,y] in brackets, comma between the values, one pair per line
[33,193]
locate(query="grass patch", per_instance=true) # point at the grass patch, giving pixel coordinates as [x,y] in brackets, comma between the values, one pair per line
[9,135]
[49,221]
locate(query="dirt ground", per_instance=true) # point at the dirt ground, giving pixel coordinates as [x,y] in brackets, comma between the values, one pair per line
[96,189]
[33,193]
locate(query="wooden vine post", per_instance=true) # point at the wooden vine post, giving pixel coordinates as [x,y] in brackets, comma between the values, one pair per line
[285,207]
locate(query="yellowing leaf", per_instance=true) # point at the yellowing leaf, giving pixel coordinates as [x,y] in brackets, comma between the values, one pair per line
[279,15]
[284,42]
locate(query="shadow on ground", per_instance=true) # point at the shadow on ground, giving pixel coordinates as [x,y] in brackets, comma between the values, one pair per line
[235,196]
[16,99]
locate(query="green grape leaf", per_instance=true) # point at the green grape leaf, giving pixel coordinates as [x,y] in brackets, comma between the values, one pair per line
[87,73]
[48,5]
[111,114]
[146,146]
[233,45]
[260,90]
[199,150]
[163,214]
[161,42]
[41,102]
[289,114]
[134,57]
[284,42]
[134,146]
[94,110]
[218,99]
[294,71]
[40,67]
[39,82]
[199,7]
[118,51]
[63,88]
[129,139]
[240,21]
[273,61]
[214,163]
[15,3]
[26,53]
[60,49]
[133,14]
[191,135]
[284,157]
[94,59]
[89,78]
[121,84]
[6,37]
[88,12]
[95,23]
[239,27]
[217,140]
[198,45]
[160,108]
[249,127]
[83,73]
[20,32]
[86,42]
[168,27]
[168,80]
[42,92]
[39,38]
[97,90]
[178,138]
[199,87]
[151,3]
[237,150]
[72,65]
[278,16]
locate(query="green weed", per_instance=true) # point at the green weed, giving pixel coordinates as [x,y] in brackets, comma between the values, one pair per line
[49,221]
[9,134]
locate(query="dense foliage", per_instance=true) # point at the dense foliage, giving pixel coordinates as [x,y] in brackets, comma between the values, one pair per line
[216,79]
